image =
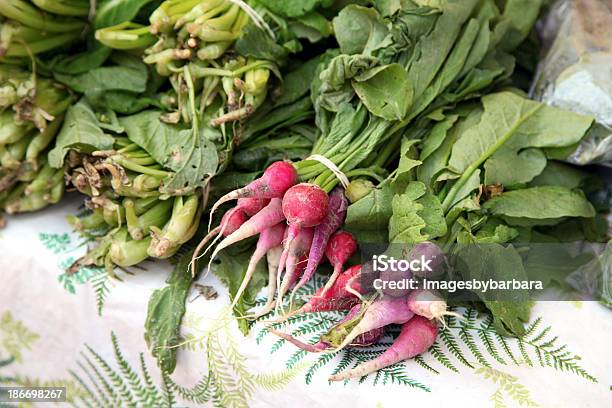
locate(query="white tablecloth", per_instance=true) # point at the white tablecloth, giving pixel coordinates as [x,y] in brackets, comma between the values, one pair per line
[52,334]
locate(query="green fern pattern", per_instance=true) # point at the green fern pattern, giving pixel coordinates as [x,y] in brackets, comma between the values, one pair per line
[508,386]
[61,244]
[56,243]
[470,341]
[15,338]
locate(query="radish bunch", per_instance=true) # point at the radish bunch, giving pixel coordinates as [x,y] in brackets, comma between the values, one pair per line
[298,218]
[298,226]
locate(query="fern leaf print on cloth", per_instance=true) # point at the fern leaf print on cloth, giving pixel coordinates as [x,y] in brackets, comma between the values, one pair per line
[469,342]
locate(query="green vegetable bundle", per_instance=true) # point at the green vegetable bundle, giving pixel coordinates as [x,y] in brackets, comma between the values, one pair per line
[29,29]
[399,64]
[31,112]
[193,42]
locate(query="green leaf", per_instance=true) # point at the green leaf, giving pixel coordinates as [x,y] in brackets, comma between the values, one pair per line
[437,136]
[510,169]
[541,203]
[417,216]
[407,164]
[387,93]
[190,155]
[292,8]
[559,174]
[80,131]
[512,122]
[510,308]
[164,314]
[359,30]
[371,214]
[255,42]
[130,78]
[230,270]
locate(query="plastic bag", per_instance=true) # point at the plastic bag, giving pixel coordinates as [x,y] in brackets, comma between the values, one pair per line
[576,72]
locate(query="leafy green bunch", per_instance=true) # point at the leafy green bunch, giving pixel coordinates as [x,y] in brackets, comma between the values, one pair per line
[398,63]
[29,29]
[212,50]
[31,113]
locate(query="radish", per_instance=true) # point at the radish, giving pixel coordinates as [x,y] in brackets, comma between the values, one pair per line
[396,276]
[337,298]
[341,246]
[429,305]
[365,339]
[269,216]
[333,220]
[293,257]
[273,257]
[304,205]
[379,313]
[430,252]
[274,182]
[416,337]
[268,239]
[245,208]
[231,221]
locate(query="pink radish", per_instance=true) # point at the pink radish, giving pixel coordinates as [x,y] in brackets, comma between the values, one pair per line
[271,215]
[365,339]
[341,246]
[304,205]
[379,313]
[333,220]
[295,255]
[395,275]
[429,305]
[273,257]
[336,298]
[274,182]
[416,337]
[231,221]
[428,251]
[268,239]
[245,208]
[252,205]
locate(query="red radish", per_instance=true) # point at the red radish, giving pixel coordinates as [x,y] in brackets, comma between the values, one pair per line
[271,215]
[341,246]
[291,258]
[336,298]
[365,339]
[333,220]
[252,205]
[380,313]
[268,239]
[416,337]
[304,205]
[231,221]
[273,257]
[429,305]
[274,182]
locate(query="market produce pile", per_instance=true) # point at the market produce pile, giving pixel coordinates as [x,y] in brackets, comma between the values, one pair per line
[320,128]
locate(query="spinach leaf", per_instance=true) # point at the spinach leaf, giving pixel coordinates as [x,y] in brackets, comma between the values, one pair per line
[164,314]
[368,218]
[292,8]
[512,122]
[81,131]
[359,30]
[387,93]
[541,203]
[189,154]
[510,309]
[255,42]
